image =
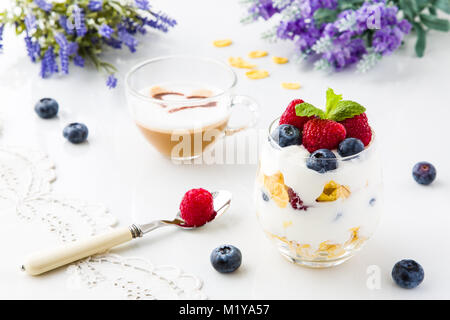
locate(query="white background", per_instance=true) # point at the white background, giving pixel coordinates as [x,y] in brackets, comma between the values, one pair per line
[407,101]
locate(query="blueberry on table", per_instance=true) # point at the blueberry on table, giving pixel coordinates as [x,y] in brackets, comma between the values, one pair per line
[226,258]
[76,132]
[349,147]
[46,108]
[407,274]
[287,135]
[322,160]
[424,173]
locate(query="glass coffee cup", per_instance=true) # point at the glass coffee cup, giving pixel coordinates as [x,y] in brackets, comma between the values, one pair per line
[183,104]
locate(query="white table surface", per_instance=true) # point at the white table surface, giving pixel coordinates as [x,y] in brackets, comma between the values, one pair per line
[406,98]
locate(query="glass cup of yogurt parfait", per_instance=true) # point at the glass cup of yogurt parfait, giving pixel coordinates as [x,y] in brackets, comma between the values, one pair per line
[317,219]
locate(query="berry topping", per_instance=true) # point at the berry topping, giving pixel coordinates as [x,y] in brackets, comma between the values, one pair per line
[226,258]
[424,173]
[290,117]
[358,127]
[76,132]
[350,147]
[407,274]
[322,160]
[46,108]
[197,207]
[322,134]
[287,135]
[295,200]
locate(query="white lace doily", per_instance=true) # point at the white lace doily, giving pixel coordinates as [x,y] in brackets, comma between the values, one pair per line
[28,203]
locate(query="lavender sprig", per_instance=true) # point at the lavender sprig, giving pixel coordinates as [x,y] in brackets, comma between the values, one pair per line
[337,34]
[57,33]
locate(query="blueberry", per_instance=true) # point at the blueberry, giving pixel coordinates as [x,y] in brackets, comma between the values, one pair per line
[265,196]
[226,258]
[76,132]
[287,135]
[424,173]
[322,160]
[407,274]
[350,147]
[46,108]
[372,202]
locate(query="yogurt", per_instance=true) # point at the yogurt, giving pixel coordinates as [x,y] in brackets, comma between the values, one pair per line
[319,219]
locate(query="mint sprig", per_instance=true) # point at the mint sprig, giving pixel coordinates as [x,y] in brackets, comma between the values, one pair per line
[336,108]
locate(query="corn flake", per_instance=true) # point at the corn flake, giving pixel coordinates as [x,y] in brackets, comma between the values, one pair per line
[280,60]
[240,63]
[257,54]
[291,85]
[333,191]
[222,43]
[257,74]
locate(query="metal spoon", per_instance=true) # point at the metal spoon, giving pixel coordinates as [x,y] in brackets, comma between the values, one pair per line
[42,262]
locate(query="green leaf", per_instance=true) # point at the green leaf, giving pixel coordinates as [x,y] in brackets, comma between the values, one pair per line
[332,100]
[409,7]
[421,39]
[308,110]
[345,109]
[435,23]
[323,15]
[443,5]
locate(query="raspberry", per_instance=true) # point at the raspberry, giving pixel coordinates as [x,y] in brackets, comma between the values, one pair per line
[358,127]
[322,134]
[197,207]
[289,116]
[295,200]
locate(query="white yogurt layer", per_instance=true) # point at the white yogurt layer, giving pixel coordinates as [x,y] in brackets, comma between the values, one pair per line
[322,221]
[153,116]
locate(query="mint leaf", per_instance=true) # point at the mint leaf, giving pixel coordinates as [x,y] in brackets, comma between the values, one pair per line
[332,100]
[308,110]
[345,109]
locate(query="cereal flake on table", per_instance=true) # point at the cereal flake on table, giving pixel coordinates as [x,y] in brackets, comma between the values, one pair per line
[222,43]
[257,74]
[291,85]
[240,63]
[280,60]
[257,54]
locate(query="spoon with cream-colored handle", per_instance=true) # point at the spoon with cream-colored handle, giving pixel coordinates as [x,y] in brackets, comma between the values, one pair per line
[44,261]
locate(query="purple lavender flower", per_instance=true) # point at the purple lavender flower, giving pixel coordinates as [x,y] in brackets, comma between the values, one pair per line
[30,22]
[111,82]
[78,16]
[264,9]
[165,19]
[2,27]
[66,25]
[79,61]
[48,64]
[113,43]
[63,51]
[387,40]
[72,48]
[105,31]
[44,5]
[127,39]
[95,5]
[142,4]
[33,48]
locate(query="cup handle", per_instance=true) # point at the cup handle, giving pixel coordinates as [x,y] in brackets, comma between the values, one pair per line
[251,105]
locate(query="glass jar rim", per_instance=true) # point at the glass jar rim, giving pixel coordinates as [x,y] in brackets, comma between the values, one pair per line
[275,145]
[142,64]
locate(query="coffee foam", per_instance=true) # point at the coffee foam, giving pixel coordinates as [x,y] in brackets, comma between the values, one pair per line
[180,113]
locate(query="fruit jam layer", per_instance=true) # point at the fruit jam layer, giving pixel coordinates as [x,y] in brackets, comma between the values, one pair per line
[309,208]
